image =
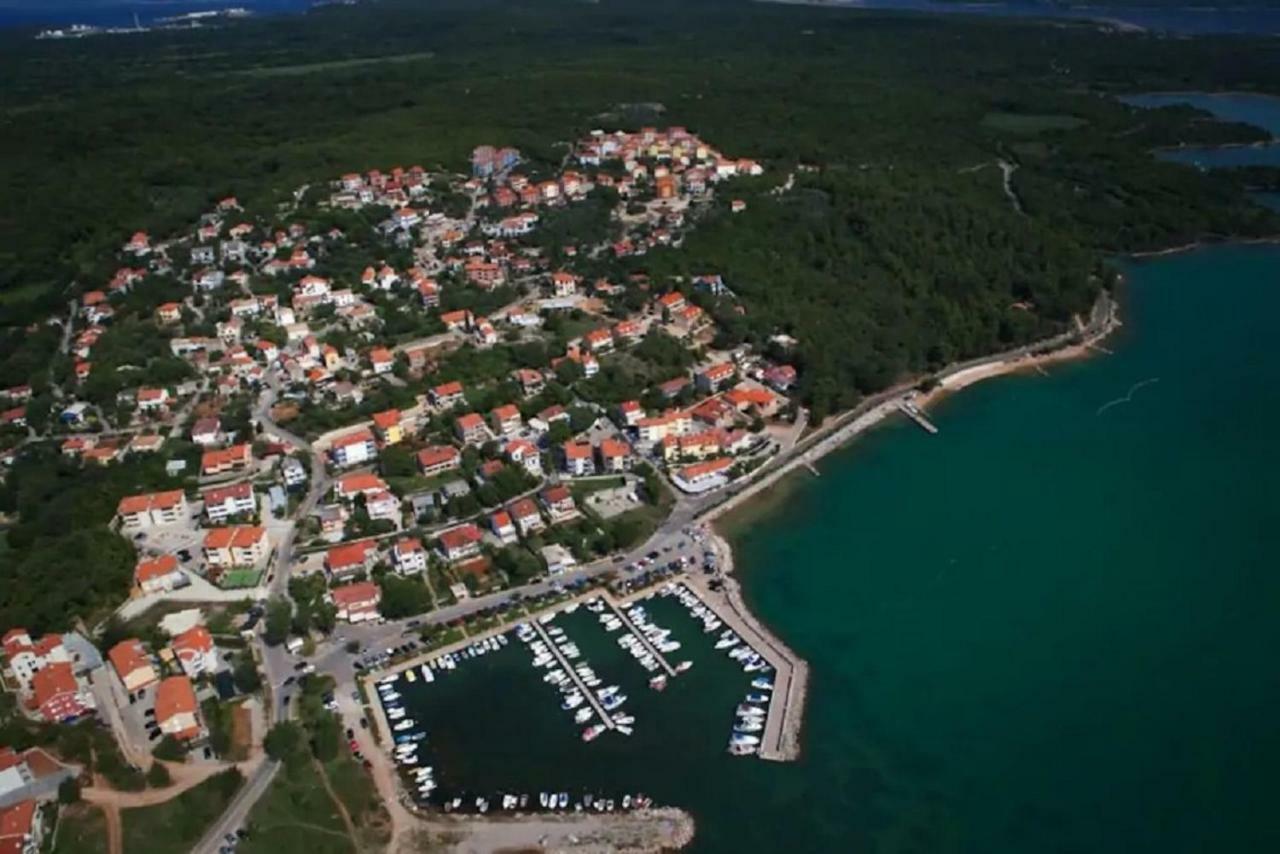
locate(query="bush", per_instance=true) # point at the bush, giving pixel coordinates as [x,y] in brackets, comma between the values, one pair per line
[158,777]
[170,749]
[69,791]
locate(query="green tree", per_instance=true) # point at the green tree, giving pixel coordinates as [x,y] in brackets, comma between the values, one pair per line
[279,619]
[158,776]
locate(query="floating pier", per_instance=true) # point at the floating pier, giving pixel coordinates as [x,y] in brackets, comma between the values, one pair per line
[605,717]
[640,636]
[913,412]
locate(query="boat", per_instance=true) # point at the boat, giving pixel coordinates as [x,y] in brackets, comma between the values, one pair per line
[748,725]
[725,643]
[742,749]
[624,729]
[563,800]
[409,676]
[542,800]
[395,714]
[583,715]
[405,724]
[741,738]
[613,702]
[390,680]
[683,666]
[757,698]
[658,683]
[626,802]
[762,683]
[592,732]
[572,702]
[410,738]
[389,697]
[624,719]
[747,710]
[427,675]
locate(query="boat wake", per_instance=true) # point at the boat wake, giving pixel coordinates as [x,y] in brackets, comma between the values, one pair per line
[1128,395]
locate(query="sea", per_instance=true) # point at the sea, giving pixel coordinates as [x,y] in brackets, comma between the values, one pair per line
[114,13]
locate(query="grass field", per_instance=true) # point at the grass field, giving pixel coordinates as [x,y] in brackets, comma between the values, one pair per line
[82,829]
[354,787]
[237,579]
[296,816]
[332,65]
[1030,123]
[174,826]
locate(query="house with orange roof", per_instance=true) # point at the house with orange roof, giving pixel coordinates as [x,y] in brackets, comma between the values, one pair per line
[21,828]
[146,443]
[24,657]
[506,420]
[531,381]
[615,456]
[222,460]
[177,712]
[239,545]
[714,377]
[671,302]
[158,575]
[154,508]
[357,602]
[753,399]
[386,425]
[347,559]
[525,515]
[598,340]
[700,477]
[132,664]
[408,556]
[58,695]
[576,459]
[525,453]
[563,284]
[382,361]
[347,487]
[460,543]
[471,429]
[226,502]
[153,399]
[437,459]
[558,503]
[456,320]
[353,449]
[502,526]
[446,395]
[169,312]
[195,651]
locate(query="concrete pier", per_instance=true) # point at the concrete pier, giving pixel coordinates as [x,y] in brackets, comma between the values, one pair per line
[605,717]
[913,412]
[644,641]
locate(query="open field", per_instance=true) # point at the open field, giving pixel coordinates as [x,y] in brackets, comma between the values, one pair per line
[175,825]
[82,829]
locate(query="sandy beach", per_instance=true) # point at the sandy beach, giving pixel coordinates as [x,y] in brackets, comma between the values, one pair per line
[634,833]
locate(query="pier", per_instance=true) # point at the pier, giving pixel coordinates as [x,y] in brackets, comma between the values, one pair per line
[590,695]
[639,635]
[913,412]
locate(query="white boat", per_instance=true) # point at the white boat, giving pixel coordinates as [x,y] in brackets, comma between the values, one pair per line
[583,715]
[624,729]
[395,714]
[748,725]
[742,749]
[683,666]
[762,684]
[389,696]
[563,800]
[755,697]
[572,702]
[543,800]
[390,680]
[658,683]
[626,720]
[626,802]
[726,643]
[427,674]
[737,738]
[613,702]
[747,710]
[403,725]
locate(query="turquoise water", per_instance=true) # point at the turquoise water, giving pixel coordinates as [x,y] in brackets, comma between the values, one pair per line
[1049,628]
[1052,627]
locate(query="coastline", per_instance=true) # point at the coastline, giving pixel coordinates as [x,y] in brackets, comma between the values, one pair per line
[1081,342]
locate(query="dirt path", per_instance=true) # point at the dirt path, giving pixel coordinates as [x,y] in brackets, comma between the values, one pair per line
[110,812]
[337,802]
[184,777]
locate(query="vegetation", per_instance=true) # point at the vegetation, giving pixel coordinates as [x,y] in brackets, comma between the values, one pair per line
[296,814]
[82,829]
[177,824]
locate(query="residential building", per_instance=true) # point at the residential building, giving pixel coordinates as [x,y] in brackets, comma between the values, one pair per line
[437,459]
[576,458]
[353,449]
[703,475]
[383,505]
[630,412]
[132,664]
[195,651]
[176,708]
[207,432]
[446,395]
[525,453]
[358,602]
[293,472]
[409,557]
[347,487]
[24,657]
[615,456]
[558,503]
[506,420]
[381,360]
[240,545]
[502,526]
[715,377]
[22,824]
[225,502]
[525,515]
[159,575]
[153,399]
[348,559]
[386,425]
[58,695]
[149,509]
[470,429]
[460,543]
[221,461]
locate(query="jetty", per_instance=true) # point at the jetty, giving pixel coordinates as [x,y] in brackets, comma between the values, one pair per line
[590,695]
[640,636]
[913,412]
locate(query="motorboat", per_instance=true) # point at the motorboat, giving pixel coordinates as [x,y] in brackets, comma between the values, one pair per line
[583,715]
[683,666]
[624,729]
[405,724]
[409,676]
[742,749]
[613,702]
[760,683]
[543,800]
[572,702]
[427,675]
[748,725]
[389,696]
[755,697]
[747,710]
[658,683]
[563,800]
[410,738]
[592,732]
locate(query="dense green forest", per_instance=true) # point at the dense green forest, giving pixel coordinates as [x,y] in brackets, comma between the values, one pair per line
[896,250]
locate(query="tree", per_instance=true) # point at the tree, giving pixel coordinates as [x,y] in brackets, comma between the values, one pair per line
[284,743]
[158,776]
[69,791]
[170,749]
[245,674]
[279,619]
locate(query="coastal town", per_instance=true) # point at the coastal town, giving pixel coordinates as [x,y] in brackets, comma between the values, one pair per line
[405,418]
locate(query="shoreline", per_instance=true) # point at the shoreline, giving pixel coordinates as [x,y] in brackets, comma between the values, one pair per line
[1081,342]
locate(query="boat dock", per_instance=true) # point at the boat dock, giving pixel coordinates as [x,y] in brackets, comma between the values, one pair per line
[913,412]
[640,636]
[605,717]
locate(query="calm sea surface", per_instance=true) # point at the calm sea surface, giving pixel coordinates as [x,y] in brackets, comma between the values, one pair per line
[1050,628]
